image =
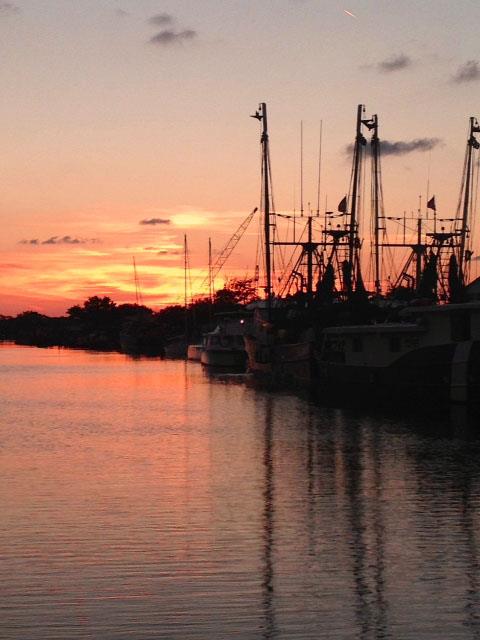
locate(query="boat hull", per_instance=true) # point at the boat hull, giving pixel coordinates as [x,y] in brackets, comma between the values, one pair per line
[224,358]
[443,374]
[287,364]
[194,352]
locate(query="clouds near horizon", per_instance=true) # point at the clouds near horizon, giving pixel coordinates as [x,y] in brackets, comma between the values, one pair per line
[154,221]
[64,240]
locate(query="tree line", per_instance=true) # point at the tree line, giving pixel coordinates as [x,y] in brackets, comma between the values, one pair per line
[101,324]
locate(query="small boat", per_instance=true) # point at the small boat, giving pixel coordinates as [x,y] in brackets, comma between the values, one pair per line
[176,348]
[225,347]
[194,351]
[280,353]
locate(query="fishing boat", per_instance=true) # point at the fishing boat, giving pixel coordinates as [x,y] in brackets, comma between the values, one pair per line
[225,347]
[323,283]
[431,351]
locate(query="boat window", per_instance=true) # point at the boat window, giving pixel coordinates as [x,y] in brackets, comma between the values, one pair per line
[395,344]
[357,344]
[460,326]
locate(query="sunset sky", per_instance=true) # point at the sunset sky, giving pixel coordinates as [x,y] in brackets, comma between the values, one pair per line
[125,124]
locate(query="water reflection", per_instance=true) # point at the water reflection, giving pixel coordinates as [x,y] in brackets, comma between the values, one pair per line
[144,499]
[268,523]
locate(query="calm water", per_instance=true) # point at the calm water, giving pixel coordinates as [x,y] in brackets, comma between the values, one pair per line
[139,499]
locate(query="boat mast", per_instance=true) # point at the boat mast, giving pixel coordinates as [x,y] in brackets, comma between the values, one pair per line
[472,144]
[419,251]
[138,292]
[261,115]
[301,168]
[310,249]
[376,202]
[185,288]
[359,141]
[210,279]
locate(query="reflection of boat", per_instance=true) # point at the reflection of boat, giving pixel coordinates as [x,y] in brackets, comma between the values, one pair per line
[224,347]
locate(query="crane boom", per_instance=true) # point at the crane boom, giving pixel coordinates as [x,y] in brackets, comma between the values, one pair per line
[228,248]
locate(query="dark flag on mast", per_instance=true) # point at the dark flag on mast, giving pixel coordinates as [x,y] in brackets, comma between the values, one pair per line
[342,207]
[431,204]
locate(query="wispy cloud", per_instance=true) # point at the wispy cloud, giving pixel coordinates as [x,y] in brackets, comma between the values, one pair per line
[169,37]
[122,13]
[154,221]
[395,62]
[161,19]
[468,72]
[8,9]
[65,240]
[403,147]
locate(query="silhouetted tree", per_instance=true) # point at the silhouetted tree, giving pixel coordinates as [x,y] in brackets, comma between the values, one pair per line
[236,292]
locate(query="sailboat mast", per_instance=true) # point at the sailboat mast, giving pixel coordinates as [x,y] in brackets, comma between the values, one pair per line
[376,203]
[418,252]
[210,279]
[356,171]
[310,261]
[185,280]
[261,115]
[138,294]
[471,145]
[301,168]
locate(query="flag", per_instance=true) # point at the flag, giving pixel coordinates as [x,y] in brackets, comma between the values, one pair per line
[431,204]
[342,207]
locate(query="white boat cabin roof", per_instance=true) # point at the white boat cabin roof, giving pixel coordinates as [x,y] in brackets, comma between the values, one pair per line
[387,327]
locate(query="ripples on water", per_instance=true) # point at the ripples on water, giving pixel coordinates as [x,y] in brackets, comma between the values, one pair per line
[140,499]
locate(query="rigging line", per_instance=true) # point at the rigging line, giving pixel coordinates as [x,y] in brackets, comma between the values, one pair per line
[286,272]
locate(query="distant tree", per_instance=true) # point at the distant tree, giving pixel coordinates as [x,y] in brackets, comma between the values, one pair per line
[96,312]
[237,291]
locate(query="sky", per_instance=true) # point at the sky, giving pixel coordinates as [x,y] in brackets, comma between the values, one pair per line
[125,125]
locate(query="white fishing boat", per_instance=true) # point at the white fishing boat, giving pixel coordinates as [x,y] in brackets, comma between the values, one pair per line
[225,347]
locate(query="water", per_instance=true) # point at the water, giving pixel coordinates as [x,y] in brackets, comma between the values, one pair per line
[140,499]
